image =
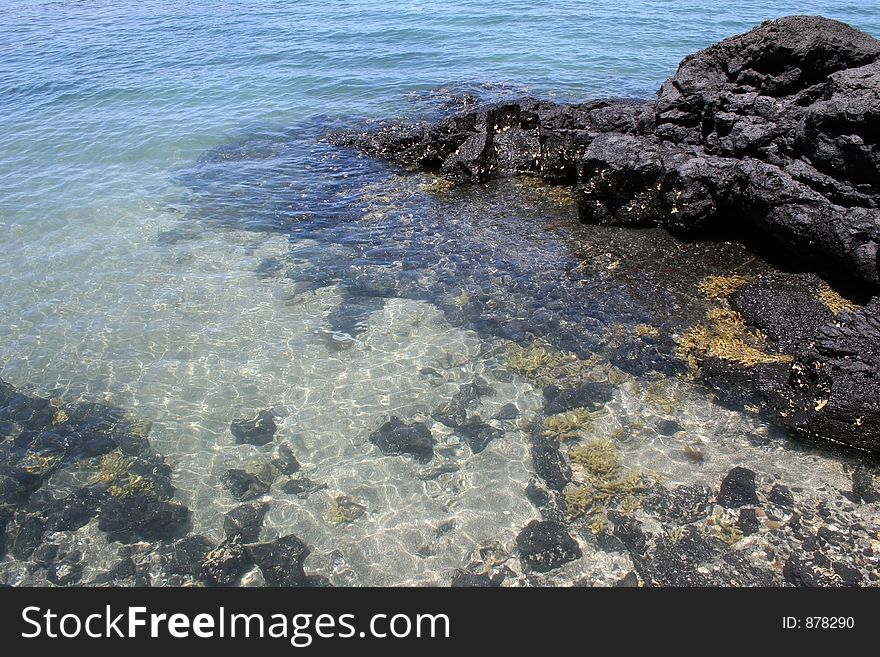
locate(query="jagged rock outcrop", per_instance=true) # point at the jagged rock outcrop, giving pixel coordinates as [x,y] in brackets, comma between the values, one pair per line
[770,136]
[772,133]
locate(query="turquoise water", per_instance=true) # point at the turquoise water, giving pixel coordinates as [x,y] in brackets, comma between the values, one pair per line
[177,241]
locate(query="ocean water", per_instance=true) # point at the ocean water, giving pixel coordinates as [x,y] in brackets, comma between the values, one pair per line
[179,241]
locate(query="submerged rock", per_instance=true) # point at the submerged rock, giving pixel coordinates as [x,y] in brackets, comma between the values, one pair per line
[185,557]
[863,485]
[24,533]
[281,561]
[285,461]
[464,579]
[682,504]
[549,463]
[301,486]
[72,511]
[246,485]
[738,489]
[258,429]
[245,521]
[395,437]
[225,564]
[586,395]
[545,545]
[507,412]
[141,517]
[478,434]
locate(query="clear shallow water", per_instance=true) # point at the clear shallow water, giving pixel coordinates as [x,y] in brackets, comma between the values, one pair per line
[179,243]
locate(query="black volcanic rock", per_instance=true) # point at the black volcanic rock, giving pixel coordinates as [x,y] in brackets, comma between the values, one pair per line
[586,395]
[225,564]
[545,545]
[255,430]
[24,533]
[281,561]
[245,521]
[549,463]
[395,437]
[738,489]
[141,517]
[478,434]
[245,485]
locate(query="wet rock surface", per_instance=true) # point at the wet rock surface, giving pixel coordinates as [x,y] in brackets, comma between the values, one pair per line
[764,136]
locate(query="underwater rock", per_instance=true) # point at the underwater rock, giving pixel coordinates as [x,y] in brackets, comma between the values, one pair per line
[738,489]
[748,522]
[24,533]
[586,395]
[464,579]
[549,463]
[668,427]
[628,531]
[813,571]
[66,570]
[454,413]
[70,512]
[245,485]
[11,491]
[5,516]
[681,505]
[344,509]
[185,556]
[256,430]
[245,521]
[124,572]
[281,561]
[545,545]
[444,467]
[285,462]
[450,413]
[863,485]
[30,413]
[478,434]
[537,494]
[630,580]
[781,495]
[395,437]
[225,564]
[300,486]
[141,517]
[507,412]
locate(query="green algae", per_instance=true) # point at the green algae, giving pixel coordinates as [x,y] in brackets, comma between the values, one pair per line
[604,484]
[344,509]
[568,425]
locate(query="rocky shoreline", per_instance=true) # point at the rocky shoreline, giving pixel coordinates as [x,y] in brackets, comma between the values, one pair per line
[767,137]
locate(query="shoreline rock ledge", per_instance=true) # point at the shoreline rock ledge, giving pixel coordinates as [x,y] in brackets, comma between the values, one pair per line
[771,137]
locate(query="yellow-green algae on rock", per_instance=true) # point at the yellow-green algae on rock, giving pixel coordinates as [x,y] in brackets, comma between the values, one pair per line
[603,481]
[719,287]
[724,335]
[569,425]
